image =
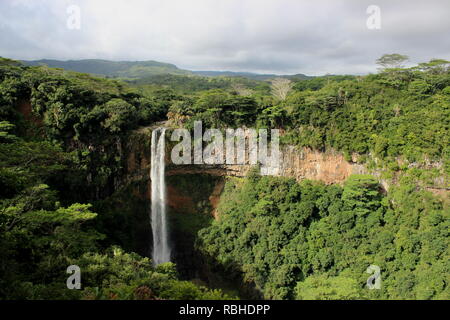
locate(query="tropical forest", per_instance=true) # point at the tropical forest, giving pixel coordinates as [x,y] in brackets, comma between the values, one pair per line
[367,187]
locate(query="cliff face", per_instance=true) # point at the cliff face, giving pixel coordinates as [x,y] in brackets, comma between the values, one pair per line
[298,163]
[194,191]
[190,189]
[328,167]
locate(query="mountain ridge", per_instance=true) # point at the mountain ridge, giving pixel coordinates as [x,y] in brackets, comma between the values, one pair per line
[143,69]
[113,69]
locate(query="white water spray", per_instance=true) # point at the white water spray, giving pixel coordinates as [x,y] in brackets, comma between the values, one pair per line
[161,248]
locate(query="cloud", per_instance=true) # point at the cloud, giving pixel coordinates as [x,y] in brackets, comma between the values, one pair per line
[280,36]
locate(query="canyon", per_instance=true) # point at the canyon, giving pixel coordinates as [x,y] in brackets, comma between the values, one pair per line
[193,195]
[299,163]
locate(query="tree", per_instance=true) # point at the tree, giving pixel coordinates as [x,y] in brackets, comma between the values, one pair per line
[281,87]
[5,127]
[116,114]
[361,194]
[328,288]
[9,62]
[435,66]
[241,89]
[391,61]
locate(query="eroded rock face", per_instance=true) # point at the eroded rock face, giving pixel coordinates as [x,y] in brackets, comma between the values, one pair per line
[179,200]
[300,163]
[330,167]
[214,198]
[296,163]
[194,191]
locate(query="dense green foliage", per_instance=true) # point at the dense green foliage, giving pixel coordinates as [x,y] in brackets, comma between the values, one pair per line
[380,114]
[113,69]
[142,69]
[249,75]
[39,238]
[128,276]
[311,241]
[64,150]
[63,144]
[191,84]
[88,116]
[393,115]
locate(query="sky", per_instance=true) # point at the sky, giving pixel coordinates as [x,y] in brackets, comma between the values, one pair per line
[312,37]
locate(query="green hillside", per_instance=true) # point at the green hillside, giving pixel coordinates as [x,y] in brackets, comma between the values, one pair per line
[250,75]
[66,197]
[146,69]
[114,69]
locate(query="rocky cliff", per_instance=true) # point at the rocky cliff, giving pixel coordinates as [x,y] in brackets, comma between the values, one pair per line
[194,191]
[300,163]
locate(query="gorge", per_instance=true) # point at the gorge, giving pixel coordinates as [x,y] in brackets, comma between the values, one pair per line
[87,178]
[195,191]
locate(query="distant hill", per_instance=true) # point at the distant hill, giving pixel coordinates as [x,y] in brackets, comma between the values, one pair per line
[250,75]
[144,69]
[115,69]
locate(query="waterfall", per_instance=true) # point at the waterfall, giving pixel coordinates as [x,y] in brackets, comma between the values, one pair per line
[161,248]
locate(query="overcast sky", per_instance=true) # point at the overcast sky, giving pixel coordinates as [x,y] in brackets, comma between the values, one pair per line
[278,36]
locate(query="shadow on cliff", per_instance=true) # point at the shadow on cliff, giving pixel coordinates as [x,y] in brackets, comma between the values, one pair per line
[205,270]
[192,201]
[125,218]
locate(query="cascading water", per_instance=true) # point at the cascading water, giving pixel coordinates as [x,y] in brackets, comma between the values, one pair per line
[161,248]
